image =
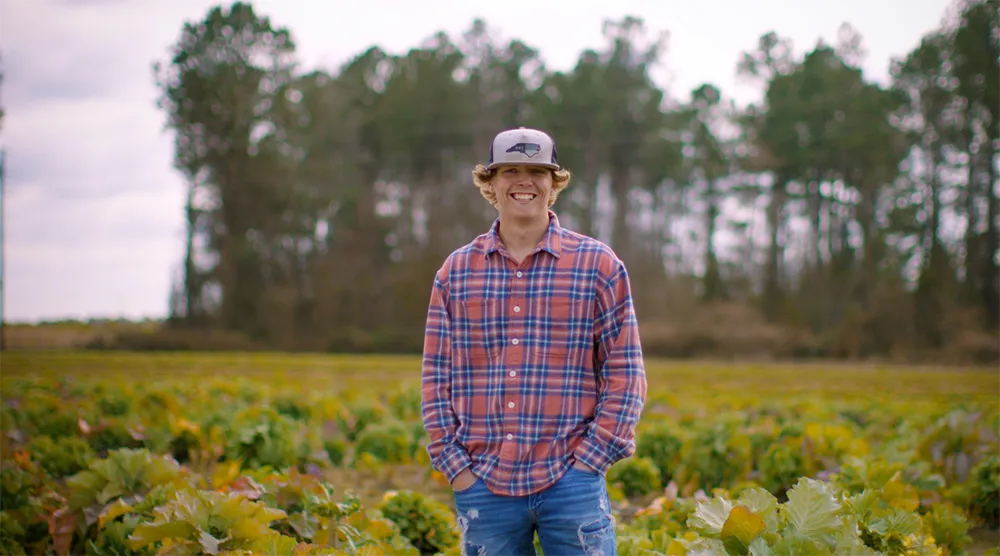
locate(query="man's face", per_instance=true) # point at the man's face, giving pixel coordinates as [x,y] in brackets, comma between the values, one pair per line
[523,191]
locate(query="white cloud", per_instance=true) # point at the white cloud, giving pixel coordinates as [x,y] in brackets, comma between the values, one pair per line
[111,256]
[87,147]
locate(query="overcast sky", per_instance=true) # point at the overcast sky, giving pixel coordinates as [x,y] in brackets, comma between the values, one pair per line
[93,213]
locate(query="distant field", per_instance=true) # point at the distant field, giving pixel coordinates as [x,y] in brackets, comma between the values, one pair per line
[67,335]
[905,457]
[678,379]
[821,378]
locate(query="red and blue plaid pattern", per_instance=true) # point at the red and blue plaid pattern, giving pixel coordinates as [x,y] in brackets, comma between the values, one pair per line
[528,368]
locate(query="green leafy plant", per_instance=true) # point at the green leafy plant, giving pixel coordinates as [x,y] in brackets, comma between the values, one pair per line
[429,525]
[12,535]
[260,436]
[387,441]
[949,527]
[984,487]
[112,433]
[210,522]
[661,442]
[717,454]
[781,465]
[814,520]
[638,476]
[124,472]
[42,412]
[63,456]
[358,415]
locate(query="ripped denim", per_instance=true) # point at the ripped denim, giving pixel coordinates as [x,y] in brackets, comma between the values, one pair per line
[572,517]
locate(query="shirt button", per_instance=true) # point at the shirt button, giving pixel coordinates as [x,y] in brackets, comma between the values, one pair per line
[517,309]
[513,373]
[518,273]
[510,404]
[515,341]
[510,437]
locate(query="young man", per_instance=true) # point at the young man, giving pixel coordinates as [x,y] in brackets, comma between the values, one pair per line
[533,378]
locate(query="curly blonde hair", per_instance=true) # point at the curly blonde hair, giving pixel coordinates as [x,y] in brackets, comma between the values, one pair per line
[482,178]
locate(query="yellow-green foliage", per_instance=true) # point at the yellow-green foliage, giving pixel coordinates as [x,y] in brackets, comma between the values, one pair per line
[232,453]
[429,525]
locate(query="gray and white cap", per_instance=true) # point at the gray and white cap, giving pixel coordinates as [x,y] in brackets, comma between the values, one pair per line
[523,146]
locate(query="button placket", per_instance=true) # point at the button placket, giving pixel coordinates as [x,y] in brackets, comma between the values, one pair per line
[516,319]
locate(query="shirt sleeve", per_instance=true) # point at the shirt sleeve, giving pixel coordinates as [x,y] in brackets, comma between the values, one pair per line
[440,421]
[621,377]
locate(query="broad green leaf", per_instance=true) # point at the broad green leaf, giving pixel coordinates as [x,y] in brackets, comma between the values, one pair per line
[676,548]
[304,524]
[274,545]
[847,541]
[897,523]
[189,506]
[209,543]
[109,492]
[706,547]
[709,517]
[379,529]
[172,547]
[759,547]
[146,534]
[248,528]
[112,511]
[861,505]
[740,529]
[812,511]
[798,545]
[764,504]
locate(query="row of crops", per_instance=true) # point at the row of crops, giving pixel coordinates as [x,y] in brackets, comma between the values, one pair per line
[226,465]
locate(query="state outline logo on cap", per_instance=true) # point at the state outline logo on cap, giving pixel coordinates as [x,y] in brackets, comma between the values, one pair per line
[523,145]
[530,149]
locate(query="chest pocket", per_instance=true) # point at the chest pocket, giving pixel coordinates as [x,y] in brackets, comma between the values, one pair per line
[477,331]
[558,333]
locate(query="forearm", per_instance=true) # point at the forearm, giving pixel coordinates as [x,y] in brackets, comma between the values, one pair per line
[620,398]
[440,421]
[621,378]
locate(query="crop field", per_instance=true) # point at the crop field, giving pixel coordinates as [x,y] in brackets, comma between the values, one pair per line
[232,453]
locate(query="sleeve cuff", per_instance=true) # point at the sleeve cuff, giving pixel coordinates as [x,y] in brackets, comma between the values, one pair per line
[452,461]
[592,454]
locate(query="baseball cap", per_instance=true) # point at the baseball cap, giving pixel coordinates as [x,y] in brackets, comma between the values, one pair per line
[523,146]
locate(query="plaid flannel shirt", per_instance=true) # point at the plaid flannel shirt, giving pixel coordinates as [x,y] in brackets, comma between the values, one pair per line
[529,368]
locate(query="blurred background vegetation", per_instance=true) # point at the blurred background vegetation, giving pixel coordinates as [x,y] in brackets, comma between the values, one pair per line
[839,218]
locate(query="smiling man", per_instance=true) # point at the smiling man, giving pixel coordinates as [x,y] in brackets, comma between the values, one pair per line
[533,379]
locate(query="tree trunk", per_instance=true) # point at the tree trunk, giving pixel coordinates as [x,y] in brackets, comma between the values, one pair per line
[772,284]
[991,270]
[714,287]
[192,286]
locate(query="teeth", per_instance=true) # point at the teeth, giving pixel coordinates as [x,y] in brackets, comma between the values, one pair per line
[524,196]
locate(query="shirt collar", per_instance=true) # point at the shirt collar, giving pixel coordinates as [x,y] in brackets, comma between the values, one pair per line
[550,241]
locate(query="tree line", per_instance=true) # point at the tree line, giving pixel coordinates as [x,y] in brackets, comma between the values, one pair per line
[838,217]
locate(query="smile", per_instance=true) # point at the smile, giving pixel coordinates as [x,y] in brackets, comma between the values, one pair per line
[523,196]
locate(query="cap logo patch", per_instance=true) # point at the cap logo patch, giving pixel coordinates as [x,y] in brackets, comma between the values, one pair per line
[529,149]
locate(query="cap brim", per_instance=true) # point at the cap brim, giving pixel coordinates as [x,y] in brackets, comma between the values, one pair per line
[496,165]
